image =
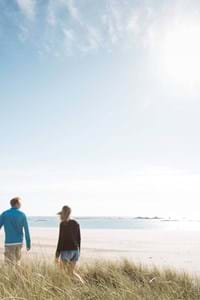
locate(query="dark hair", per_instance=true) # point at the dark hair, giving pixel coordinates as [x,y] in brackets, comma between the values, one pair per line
[65,213]
[15,201]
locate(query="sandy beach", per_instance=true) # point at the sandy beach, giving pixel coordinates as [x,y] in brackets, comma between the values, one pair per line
[174,249]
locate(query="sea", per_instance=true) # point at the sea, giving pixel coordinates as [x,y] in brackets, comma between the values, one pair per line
[119,223]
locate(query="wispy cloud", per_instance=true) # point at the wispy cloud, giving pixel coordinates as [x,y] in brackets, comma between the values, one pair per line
[72,9]
[94,38]
[24,33]
[27,7]
[51,15]
[69,34]
[68,28]
[115,21]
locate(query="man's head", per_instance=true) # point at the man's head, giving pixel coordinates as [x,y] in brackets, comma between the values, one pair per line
[15,202]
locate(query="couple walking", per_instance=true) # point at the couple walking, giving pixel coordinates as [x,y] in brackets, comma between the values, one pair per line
[15,226]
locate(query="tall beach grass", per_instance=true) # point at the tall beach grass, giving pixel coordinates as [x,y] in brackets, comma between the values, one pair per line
[103,280]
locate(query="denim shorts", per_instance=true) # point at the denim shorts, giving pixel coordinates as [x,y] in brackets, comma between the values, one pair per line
[70,255]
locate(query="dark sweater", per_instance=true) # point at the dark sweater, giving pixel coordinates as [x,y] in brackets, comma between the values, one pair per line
[69,237]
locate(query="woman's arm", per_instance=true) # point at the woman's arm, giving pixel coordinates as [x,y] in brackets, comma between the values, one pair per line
[79,237]
[58,250]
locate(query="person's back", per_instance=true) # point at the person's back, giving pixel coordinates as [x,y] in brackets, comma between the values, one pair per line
[14,222]
[69,242]
[69,236]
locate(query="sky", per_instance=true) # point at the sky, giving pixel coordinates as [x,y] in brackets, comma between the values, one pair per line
[99,106]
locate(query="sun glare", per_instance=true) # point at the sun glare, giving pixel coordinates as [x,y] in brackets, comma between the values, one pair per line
[181,54]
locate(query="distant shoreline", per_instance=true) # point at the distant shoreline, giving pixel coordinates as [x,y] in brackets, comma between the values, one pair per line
[121,218]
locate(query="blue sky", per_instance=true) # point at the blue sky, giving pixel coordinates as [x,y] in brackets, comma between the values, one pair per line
[90,115]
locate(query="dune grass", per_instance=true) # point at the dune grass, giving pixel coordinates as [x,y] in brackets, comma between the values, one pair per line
[103,280]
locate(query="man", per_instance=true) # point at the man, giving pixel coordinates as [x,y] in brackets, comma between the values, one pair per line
[14,222]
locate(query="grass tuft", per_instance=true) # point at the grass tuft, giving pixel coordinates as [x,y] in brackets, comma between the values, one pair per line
[104,280]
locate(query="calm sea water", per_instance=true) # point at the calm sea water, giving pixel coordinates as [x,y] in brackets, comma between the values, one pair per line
[118,223]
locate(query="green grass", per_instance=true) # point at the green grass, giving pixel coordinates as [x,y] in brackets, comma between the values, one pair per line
[103,280]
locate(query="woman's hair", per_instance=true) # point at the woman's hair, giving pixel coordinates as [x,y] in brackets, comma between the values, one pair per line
[65,213]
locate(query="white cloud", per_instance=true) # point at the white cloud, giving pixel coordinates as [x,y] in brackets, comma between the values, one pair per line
[116,24]
[132,24]
[72,9]
[27,7]
[113,21]
[69,41]
[24,33]
[94,38]
[69,34]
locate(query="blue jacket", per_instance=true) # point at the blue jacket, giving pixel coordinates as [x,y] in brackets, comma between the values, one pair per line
[14,222]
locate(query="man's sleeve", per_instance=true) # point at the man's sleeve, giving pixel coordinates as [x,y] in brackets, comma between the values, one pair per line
[27,234]
[1,220]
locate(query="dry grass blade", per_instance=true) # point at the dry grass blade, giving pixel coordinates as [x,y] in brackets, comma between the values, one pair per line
[104,280]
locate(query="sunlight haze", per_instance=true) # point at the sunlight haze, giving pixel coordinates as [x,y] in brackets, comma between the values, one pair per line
[99,106]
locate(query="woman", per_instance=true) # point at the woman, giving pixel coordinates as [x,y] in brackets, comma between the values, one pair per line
[69,242]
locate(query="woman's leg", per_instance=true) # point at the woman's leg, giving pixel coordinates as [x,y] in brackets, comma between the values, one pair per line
[71,267]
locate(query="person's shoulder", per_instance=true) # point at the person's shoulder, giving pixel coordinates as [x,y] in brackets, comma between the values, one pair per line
[21,213]
[74,222]
[11,211]
[5,212]
[71,222]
